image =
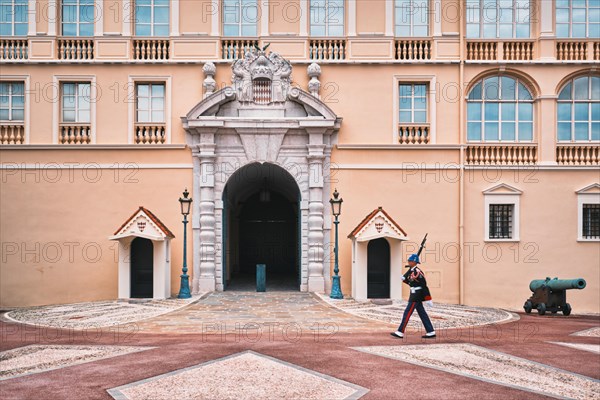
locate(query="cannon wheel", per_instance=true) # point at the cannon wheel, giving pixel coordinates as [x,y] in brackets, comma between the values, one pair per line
[541,309]
[528,306]
[566,309]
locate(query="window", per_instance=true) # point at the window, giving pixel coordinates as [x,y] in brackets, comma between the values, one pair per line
[498,19]
[240,17]
[412,18]
[501,221]
[152,17]
[77,17]
[13,17]
[500,108]
[591,221]
[76,102]
[327,17]
[578,110]
[12,101]
[150,103]
[413,103]
[577,18]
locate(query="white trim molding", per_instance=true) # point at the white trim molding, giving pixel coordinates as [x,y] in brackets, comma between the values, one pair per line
[588,195]
[264,17]
[431,81]
[215,23]
[32,17]
[174,14]
[98,17]
[52,17]
[351,17]
[127,17]
[304,10]
[132,80]
[57,80]
[503,194]
[389,18]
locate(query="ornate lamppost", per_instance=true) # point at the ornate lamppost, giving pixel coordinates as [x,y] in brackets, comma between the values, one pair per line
[336,210]
[184,288]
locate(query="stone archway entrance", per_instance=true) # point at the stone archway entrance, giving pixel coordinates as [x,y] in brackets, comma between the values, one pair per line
[261,220]
[252,122]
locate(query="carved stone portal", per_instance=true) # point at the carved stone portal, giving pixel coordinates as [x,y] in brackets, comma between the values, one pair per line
[261,118]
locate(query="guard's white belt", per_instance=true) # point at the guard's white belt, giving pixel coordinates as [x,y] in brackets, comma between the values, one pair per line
[414,289]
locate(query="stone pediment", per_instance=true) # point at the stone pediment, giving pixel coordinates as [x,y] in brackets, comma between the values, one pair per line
[594,188]
[143,223]
[502,188]
[377,224]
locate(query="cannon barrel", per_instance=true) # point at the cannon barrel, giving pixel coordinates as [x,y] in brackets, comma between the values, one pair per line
[557,284]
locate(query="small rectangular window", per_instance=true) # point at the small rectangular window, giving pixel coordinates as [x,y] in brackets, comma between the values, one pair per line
[240,18]
[13,17]
[413,103]
[152,18]
[75,101]
[412,18]
[327,17]
[77,17]
[501,221]
[591,221]
[493,19]
[12,101]
[150,103]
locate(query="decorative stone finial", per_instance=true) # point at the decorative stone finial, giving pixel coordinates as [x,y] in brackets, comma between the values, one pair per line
[314,86]
[210,85]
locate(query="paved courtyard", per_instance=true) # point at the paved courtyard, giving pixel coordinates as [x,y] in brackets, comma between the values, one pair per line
[291,345]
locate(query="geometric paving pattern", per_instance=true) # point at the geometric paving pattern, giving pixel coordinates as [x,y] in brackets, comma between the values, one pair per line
[495,367]
[96,314]
[592,332]
[592,348]
[41,358]
[246,375]
[442,315]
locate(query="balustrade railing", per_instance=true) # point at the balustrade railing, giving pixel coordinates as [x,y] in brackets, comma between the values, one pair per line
[578,154]
[518,50]
[327,49]
[233,49]
[413,49]
[501,154]
[150,134]
[14,49]
[151,49]
[75,49]
[75,133]
[413,134]
[12,133]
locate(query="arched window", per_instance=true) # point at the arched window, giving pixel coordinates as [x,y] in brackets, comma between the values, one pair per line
[500,108]
[579,110]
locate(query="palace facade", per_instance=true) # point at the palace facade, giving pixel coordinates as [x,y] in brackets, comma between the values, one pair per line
[476,122]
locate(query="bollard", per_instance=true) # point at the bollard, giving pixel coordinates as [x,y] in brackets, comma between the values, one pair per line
[261,277]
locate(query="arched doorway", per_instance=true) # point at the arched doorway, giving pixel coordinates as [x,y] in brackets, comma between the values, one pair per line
[378,269]
[261,226]
[142,266]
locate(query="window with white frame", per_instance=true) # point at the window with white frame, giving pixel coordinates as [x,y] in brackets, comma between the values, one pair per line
[588,213]
[152,17]
[578,109]
[504,19]
[411,18]
[13,17]
[413,103]
[12,101]
[577,18]
[75,102]
[502,213]
[500,108]
[150,103]
[77,17]
[240,17]
[327,17]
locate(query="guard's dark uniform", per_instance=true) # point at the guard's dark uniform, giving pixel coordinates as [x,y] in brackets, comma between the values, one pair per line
[419,292]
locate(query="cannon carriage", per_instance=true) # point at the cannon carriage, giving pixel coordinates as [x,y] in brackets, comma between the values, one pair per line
[551,295]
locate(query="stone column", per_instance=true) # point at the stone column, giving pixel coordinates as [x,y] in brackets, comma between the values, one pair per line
[316,238]
[206,245]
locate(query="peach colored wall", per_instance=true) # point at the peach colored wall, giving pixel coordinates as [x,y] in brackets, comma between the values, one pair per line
[370,16]
[114,15]
[41,16]
[195,16]
[284,17]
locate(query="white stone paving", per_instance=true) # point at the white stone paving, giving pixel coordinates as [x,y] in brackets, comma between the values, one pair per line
[442,316]
[592,348]
[98,314]
[40,358]
[246,375]
[592,332]
[491,366]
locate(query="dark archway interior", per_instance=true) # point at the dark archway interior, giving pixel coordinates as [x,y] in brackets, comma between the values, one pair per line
[142,265]
[261,226]
[378,269]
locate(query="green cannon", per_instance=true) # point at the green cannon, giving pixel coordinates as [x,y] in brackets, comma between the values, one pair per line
[551,295]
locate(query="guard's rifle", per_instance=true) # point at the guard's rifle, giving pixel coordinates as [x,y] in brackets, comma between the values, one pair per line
[420,247]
